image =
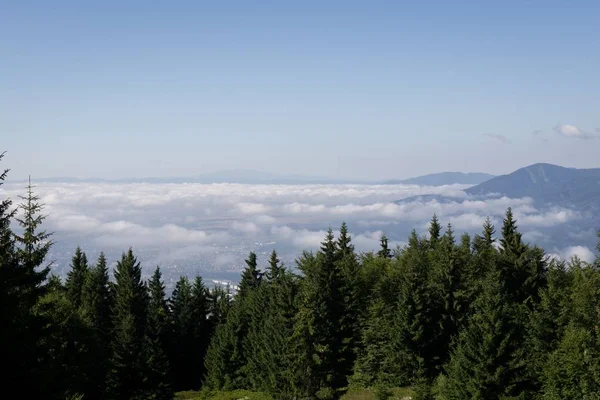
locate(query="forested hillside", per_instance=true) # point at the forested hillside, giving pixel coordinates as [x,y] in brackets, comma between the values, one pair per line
[455,317]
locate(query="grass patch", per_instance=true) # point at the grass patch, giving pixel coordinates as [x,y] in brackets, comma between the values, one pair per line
[213,395]
[368,394]
[353,394]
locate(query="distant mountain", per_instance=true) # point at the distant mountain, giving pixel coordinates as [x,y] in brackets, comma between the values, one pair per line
[547,185]
[227,176]
[444,178]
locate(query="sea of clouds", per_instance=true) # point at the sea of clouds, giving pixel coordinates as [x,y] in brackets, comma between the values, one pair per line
[195,228]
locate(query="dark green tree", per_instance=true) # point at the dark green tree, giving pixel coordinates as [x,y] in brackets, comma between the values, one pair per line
[384,252]
[182,353]
[488,358]
[127,370]
[157,383]
[251,276]
[435,230]
[76,277]
[320,359]
[24,272]
[202,329]
[95,310]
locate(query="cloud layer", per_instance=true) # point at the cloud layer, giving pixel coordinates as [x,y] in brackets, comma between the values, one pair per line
[217,224]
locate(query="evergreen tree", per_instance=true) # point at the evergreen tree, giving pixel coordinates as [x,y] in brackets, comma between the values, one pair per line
[14,312]
[230,336]
[320,362]
[384,252]
[182,354]
[345,247]
[76,277]
[127,372]
[274,270]
[251,276]
[271,327]
[572,369]
[523,268]
[33,247]
[487,360]
[353,305]
[96,304]
[201,332]
[435,230]
[65,362]
[158,378]
[415,319]
[546,323]
[24,271]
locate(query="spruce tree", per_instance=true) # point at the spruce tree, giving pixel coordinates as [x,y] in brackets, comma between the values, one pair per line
[320,362]
[384,252]
[157,383]
[76,277]
[127,371]
[271,327]
[435,230]
[251,276]
[96,304]
[274,270]
[487,361]
[523,268]
[25,272]
[415,322]
[13,311]
[182,353]
[352,296]
[201,332]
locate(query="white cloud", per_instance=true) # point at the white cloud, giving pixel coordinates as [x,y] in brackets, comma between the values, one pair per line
[572,131]
[201,220]
[582,252]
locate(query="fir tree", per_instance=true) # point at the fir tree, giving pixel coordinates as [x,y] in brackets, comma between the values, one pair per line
[415,323]
[435,230]
[251,276]
[320,363]
[201,331]
[127,371]
[158,375]
[274,270]
[345,247]
[182,315]
[96,304]
[487,360]
[25,271]
[76,277]
[384,252]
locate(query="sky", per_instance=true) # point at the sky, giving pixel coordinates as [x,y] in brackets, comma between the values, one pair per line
[364,90]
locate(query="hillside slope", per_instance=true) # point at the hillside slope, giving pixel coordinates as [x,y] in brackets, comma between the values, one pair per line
[444,178]
[548,185]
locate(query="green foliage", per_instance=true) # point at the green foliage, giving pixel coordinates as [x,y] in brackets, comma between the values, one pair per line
[76,277]
[157,383]
[220,395]
[23,271]
[572,369]
[127,371]
[487,361]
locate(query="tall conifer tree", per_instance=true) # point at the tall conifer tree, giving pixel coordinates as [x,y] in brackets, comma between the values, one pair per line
[127,372]
[76,277]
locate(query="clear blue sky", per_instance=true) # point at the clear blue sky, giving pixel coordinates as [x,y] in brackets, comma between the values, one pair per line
[344,89]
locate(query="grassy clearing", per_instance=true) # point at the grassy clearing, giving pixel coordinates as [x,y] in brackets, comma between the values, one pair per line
[368,394]
[356,394]
[234,395]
